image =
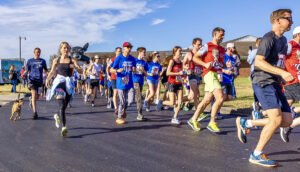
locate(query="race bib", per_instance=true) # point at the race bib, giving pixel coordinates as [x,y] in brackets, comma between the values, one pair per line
[125,80]
[220,75]
[155,71]
[178,79]
[281,61]
[198,71]
[139,69]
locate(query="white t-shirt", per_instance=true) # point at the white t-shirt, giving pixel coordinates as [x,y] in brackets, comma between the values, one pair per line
[96,71]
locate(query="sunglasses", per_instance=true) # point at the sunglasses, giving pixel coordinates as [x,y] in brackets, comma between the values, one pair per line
[290,19]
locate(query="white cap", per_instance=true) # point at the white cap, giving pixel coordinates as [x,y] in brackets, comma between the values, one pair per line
[296,30]
[97,57]
[230,45]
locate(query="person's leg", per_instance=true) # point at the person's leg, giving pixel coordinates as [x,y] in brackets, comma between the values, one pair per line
[131,96]
[123,95]
[158,92]
[194,92]
[219,99]
[34,97]
[152,89]
[138,97]
[171,101]
[115,95]
[203,104]
[179,101]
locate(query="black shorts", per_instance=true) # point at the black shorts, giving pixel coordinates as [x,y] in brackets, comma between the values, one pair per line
[227,89]
[174,87]
[34,85]
[192,77]
[94,83]
[292,92]
[114,84]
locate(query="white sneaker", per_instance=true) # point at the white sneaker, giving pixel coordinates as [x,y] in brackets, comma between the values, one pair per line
[85,98]
[148,109]
[57,121]
[175,121]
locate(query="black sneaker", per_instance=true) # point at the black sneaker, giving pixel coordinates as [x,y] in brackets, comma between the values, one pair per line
[35,115]
[284,133]
[93,104]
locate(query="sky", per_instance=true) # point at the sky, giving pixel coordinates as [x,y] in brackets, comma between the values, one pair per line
[154,24]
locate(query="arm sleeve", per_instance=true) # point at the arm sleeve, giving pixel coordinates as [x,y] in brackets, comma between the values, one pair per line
[265,46]
[203,50]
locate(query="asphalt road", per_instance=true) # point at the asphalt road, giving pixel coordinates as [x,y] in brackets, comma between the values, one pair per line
[96,143]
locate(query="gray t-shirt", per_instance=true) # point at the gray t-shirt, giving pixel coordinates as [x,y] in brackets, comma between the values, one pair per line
[274,49]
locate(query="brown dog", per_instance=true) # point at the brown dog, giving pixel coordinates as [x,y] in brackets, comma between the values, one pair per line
[17,107]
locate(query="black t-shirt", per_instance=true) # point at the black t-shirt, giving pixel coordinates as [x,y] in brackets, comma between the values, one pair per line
[272,47]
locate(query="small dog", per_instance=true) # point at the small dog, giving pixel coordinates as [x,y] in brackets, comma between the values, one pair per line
[17,107]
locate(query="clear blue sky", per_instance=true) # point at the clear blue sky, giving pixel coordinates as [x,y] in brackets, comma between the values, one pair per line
[106,24]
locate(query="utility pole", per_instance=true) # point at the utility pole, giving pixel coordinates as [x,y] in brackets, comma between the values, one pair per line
[20,38]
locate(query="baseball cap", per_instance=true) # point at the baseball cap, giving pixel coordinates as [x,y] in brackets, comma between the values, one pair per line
[127,44]
[155,52]
[296,30]
[230,45]
[97,57]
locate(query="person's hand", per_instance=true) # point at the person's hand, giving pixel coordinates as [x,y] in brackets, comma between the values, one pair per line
[189,71]
[72,66]
[286,76]
[208,65]
[120,70]
[47,83]
[180,73]
[108,78]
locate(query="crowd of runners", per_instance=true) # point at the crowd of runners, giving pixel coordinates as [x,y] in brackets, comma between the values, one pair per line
[121,80]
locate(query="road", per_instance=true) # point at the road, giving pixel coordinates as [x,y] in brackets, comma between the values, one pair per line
[96,143]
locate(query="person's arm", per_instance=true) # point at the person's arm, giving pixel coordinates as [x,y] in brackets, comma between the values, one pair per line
[52,72]
[170,73]
[90,69]
[198,57]
[261,63]
[186,57]
[76,66]
[115,68]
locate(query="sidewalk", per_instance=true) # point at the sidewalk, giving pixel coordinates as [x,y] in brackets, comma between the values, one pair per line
[5,99]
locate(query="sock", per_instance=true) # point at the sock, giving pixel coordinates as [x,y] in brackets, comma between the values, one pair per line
[248,124]
[256,153]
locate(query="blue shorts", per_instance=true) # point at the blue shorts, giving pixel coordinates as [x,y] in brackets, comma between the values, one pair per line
[114,84]
[271,97]
[101,82]
[155,82]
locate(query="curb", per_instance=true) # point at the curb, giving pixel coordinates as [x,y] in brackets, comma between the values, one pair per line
[4,103]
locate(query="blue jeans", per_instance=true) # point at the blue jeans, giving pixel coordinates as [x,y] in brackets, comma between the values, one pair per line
[14,83]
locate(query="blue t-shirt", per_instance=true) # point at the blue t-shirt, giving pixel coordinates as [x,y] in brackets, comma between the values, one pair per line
[35,68]
[124,79]
[228,79]
[139,76]
[155,69]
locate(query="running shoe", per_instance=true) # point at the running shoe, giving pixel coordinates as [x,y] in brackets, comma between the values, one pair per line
[93,104]
[35,116]
[148,109]
[124,115]
[120,121]
[202,116]
[219,116]
[255,116]
[242,130]
[85,98]
[64,131]
[108,106]
[159,105]
[185,108]
[295,115]
[30,102]
[284,133]
[194,124]
[141,117]
[175,121]
[213,127]
[57,121]
[262,160]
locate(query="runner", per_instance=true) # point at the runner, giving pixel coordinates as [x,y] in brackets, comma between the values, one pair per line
[101,77]
[194,70]
[35,67]
[267,76]
[113,79]
[292,88]
[211,57]
[153,74]
[124,66]
[175,73]
[228,79]
[63,84]
[88,82]
[95,71]
[138,80]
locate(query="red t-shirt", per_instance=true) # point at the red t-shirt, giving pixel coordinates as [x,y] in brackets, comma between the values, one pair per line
[177,67]
[196,69]
[212,53]
[292,63]
[112,75]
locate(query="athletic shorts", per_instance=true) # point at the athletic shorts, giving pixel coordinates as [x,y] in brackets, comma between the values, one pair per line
[292,92]
[114,84]
[271,97]
[211,82]
[94,83]
[101,82]
[192,77]
[155,82]
[174,87]
[199,79]
[227,89]
[34,85]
